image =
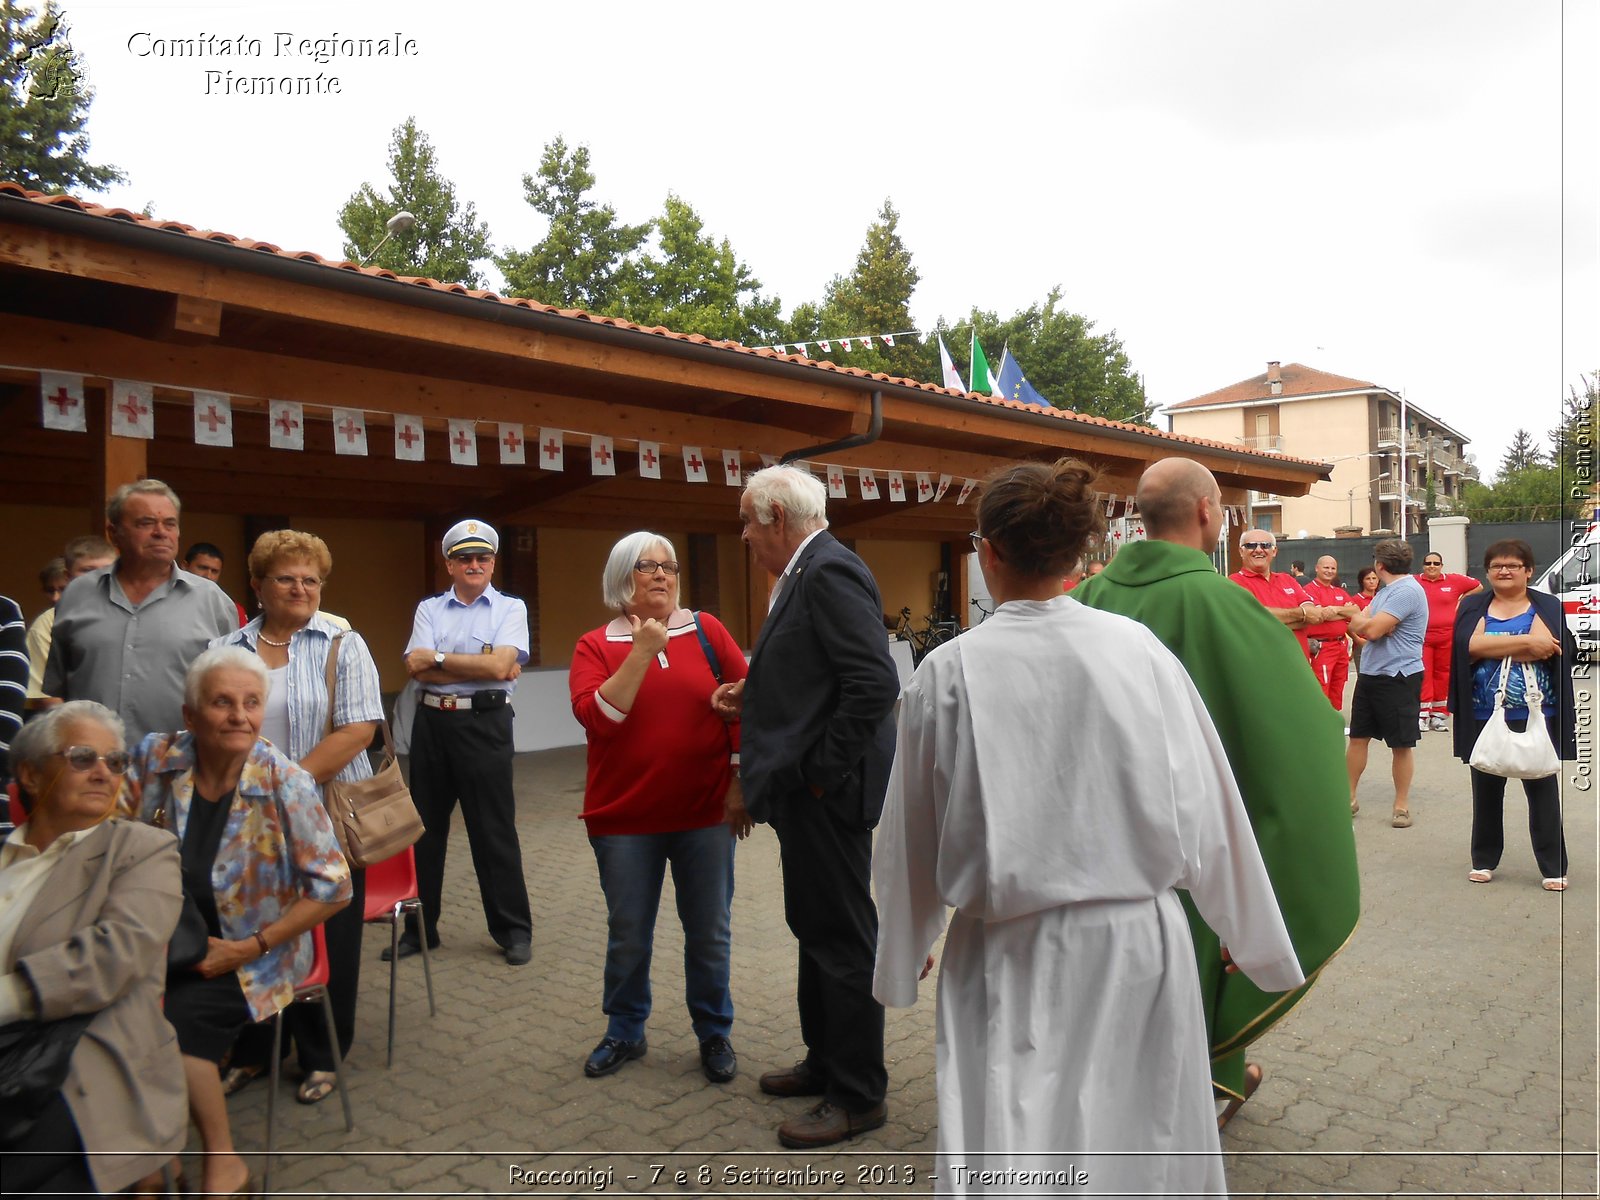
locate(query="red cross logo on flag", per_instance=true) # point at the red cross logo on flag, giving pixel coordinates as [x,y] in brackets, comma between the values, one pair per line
[897,487]
[133,409]
[924,488]
[349,431]
[513,447]
[869,485]
[836,483]
[410,445]
[551,454]
[62,399]
[768,460]
[966,490]
[650,460]
[602,459]
[944,486]
[286,429]
[213,419]
[694,467]
[732,468]
[464,443]
[844,344]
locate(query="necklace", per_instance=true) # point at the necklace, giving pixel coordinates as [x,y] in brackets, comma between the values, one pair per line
[261,637]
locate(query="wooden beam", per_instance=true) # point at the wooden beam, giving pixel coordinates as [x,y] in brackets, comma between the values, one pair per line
[196,317]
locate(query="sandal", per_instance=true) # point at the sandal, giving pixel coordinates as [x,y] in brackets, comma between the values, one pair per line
[317,1085]
[1253,1075]
[1480,875]
[1556,885]
[1401,818]
[236,1079]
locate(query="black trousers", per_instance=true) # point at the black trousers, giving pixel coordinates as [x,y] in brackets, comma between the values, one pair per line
[466,755]
[1544,822]
[827,900]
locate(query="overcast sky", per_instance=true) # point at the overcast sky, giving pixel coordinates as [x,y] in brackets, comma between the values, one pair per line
[1395,190]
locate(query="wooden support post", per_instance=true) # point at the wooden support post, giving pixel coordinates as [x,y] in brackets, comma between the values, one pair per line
[120,460]
[518,568]
[961,581]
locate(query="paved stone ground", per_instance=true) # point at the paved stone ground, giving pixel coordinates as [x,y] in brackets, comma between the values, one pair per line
[1450,1050]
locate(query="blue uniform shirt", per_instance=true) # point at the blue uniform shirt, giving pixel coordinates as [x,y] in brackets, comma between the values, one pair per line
[491,621]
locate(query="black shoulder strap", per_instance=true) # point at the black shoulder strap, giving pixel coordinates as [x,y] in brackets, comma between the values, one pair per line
[705,644]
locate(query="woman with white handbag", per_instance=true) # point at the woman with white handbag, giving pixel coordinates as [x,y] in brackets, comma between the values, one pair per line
[1512,654]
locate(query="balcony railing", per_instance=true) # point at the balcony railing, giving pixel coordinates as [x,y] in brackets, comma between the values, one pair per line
[1265,498]
[1265,441]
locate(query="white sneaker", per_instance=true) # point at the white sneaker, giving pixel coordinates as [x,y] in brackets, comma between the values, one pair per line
[1439,725]
[1422,724]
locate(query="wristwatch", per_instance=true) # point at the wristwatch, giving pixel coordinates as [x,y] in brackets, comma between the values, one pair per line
[438,658]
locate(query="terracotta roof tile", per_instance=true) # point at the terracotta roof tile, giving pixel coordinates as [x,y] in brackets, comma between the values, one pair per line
[16,191]
[1298,380]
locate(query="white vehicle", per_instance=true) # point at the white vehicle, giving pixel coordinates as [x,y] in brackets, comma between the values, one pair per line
[1575,579]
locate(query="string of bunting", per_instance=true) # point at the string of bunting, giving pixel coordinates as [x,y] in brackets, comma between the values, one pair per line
[132,409]
[859,341]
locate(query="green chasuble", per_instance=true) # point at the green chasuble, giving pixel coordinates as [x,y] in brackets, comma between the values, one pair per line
[1286,747]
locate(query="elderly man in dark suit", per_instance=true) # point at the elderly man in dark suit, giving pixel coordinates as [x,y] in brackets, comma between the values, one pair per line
[817,740]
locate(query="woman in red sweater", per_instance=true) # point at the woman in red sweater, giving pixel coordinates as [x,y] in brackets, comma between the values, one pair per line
[663,787]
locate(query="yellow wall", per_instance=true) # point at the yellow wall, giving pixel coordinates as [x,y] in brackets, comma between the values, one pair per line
[904,571]
[1219,425]
[1335,428]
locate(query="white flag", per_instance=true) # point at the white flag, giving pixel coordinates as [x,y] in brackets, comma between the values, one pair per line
[513,448]
[650,460]
[888,339]
[827,347]
[551,453]
[286,430]
[62,400]
[213,419]
[602,458]
[952,377]
[350,431]
[844,344]
[732,468]
[897,486]
[409,442]
[869,485]
[966,490]
[835,482]
[693,465]
[944,486]
[768,460]
[133,410]
[924,488]
[464,443]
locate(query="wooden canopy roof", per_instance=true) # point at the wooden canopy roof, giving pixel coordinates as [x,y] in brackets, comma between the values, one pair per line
[109,294]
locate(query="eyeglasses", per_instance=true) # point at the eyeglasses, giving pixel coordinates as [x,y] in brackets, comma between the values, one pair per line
[83,758]
[649,566]
[472,558]
[1255,545]
[1504,568]
[976,538]
[1438,562]
[309,582]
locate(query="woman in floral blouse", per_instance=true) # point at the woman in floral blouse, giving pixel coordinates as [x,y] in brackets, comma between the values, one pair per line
[261,861]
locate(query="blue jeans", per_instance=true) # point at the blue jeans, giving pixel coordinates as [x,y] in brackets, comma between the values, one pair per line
[632,867]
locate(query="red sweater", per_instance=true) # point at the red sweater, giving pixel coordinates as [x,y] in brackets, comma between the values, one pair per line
[664,765]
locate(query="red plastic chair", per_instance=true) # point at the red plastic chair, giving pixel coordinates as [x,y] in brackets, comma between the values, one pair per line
[312,989]
[391,894]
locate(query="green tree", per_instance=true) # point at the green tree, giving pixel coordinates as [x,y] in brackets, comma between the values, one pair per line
[1523,453]
[875,298]
[447,238]
[1575,443]
[1530,493]
[692,283]
[586,257]
[44,105]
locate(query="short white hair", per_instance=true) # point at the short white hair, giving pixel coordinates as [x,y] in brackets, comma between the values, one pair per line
[797,491]
[617,584]
[221,658]
[47,734]
[1271,537]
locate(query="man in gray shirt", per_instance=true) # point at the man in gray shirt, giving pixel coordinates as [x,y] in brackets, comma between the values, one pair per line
[125,634]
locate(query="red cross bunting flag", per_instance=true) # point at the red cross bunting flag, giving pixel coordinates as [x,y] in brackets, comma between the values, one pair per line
[693,465]
[966,490]
[602,455]
[286,428]
[649,460]
[732,468]
[835,483]
[897,486]
[844,344]
[552,456]
[944,486]
[464,443]
[888,339]
[350,432]
[62,397]
[513,447]
[409,443]
[827,347]
[213,419]
[924,487]
[133,409]
[768,460]
[869,485]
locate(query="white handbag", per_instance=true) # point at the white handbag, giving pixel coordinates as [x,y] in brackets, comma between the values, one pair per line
[1500,750]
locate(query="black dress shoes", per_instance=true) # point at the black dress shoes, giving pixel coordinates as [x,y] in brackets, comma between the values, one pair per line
[519,954]
[407,949]
[718,1060]
[798,1080]
[610,1054]
[827,1123]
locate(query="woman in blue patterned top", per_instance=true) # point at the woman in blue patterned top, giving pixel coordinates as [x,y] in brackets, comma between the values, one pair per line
[1502,629]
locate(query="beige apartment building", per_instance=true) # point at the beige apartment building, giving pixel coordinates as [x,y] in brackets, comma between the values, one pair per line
[1356,426]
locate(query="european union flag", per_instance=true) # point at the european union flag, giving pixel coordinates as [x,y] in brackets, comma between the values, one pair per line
[1013,386]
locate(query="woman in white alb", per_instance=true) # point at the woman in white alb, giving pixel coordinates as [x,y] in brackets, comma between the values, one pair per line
[1056,778]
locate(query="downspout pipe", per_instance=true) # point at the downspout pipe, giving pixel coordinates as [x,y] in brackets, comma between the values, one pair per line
[873,433]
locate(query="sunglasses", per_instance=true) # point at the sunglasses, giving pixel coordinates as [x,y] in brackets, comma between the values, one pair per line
[472,558]
[1255,545]
[1433,562]
[649,566]
[83,758]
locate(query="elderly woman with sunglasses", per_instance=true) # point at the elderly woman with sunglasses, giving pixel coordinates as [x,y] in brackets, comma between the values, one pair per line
[87,904]
[260,860]
[662,787]
[328,737]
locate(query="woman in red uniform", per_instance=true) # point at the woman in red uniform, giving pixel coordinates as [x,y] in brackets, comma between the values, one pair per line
[1444,592]
[1367,584]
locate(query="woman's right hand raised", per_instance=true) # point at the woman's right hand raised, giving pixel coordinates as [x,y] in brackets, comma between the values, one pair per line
[649,635]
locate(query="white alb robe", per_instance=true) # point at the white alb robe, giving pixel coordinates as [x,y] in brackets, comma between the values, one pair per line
[1056,778]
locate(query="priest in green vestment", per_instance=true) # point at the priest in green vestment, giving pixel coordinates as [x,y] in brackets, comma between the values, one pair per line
[1285,745]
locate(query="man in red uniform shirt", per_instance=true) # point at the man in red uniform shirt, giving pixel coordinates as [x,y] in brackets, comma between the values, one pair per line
[1331,663]
[1444,592]
[1277,590]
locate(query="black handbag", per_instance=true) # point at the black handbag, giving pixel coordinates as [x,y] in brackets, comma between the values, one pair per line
[34,1058]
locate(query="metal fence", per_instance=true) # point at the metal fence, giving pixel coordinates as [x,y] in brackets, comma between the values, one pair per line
[1549,540]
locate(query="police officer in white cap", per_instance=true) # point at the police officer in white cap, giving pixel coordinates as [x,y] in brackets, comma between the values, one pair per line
[467,648]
